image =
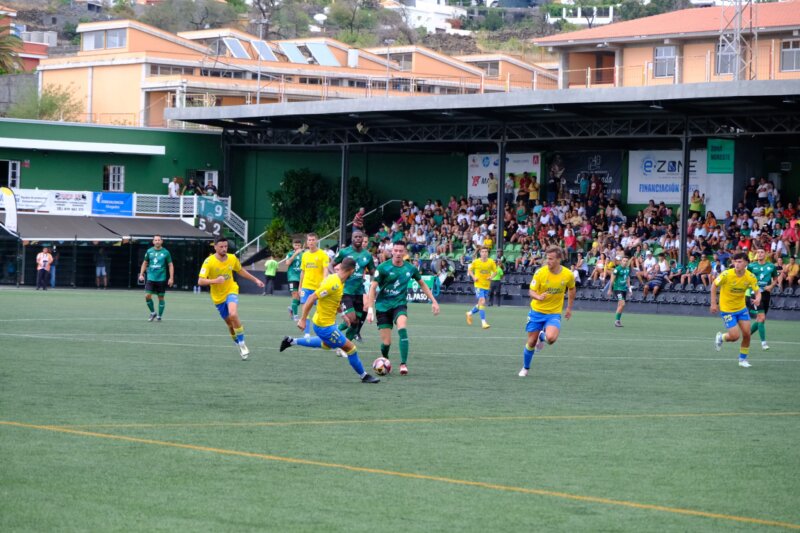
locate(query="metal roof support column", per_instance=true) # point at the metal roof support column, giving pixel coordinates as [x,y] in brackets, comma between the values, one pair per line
[686,141]
[343,196]
[225,182]
[501,193]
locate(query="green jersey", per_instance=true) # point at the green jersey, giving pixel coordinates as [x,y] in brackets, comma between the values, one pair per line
[157,261]
[364,263]
[621,276]
[763,273]
[393,284]
[293,270]
[270,267]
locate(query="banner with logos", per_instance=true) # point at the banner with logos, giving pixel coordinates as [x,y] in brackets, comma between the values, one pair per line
[118,204]
[10,205]
[720,156]
[53,202]
[480,165]
[568,168]
[658,174]
[415,294]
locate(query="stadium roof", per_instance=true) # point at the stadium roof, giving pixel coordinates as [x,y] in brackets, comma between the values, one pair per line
[697,22]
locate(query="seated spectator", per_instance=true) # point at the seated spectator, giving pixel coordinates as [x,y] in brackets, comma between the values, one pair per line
[689,271]
[649,268]
[599,271]
[791,271]
[702,272]
[655,284]
[675,271]
[211,189]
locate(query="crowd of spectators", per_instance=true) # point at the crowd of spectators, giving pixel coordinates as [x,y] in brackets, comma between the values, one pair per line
[596,233]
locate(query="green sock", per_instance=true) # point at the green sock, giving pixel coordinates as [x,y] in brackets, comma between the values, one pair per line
[385,350]
[295,305]
[161,305]
[403,334]
[618,316]
[753,327]
[150,305]
[762,331]
[342,326]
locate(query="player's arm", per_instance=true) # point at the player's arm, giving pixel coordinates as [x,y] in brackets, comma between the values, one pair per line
[713,308]
[470,272]
[247,275]
[611,283]
[373,289]
[570,302]
[204,281]
[427,291]
[171,280]
[143,269]
[301,323]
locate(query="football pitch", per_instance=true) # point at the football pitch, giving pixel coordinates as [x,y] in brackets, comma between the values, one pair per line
[111,423]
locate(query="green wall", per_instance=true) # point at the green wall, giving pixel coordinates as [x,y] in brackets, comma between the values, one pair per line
[390,176]
[50,169]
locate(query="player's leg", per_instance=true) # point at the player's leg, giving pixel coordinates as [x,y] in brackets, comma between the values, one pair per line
[235,323]
[620,308]
[385,320]
[355,362]
[474,309]
[761,319]
[533,328]
[744,348]
[401,320]
[162,304]
[148,298]
[293,309]
[304,294]
[482,307]
[358,304]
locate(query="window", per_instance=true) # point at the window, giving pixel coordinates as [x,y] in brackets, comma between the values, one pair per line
[9,174]
[170,70]
[114,178]
[404,60]
[664,62]
[204,177]
[491,68]
[93,40]
[726,58]
[790,55]
[603,12]
[116,38]
[219,73]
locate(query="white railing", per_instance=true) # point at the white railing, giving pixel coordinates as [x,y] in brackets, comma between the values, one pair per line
[185,207]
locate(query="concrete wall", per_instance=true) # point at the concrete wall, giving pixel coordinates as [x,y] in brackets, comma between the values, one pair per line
[13,87]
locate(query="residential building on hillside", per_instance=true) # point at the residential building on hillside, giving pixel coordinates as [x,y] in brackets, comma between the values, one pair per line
[127,72]
[683,47]
[35,44]
[435,16]
[592,15]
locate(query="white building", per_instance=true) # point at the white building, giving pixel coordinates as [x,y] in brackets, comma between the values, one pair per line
[433,15]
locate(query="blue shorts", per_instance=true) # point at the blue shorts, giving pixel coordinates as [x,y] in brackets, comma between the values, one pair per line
[304,294]
[223,307]
[481,293]
[539,321]
[330,336]
[731,320]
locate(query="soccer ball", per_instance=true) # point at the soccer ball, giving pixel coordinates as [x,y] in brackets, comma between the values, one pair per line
[382,366]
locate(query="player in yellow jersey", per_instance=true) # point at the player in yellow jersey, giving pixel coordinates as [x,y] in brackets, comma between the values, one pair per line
[547,289]
[733,284]
[328,297]
[313,269]
[481,270]
[217,273]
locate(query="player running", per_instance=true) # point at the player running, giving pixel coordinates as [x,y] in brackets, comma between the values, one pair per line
[292,261]
[157,262]
[547,289]
[313,269]
[733,283]
[217,273]
[391,304]
[481,270]
[353,298]
[329,295]
[767,276]
[621,285]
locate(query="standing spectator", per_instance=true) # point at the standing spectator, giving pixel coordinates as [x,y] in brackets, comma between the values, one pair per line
[43,263]
[211,189]
[533,190]
[358,220]
[696,203]
[584,187]
[174,188]
[55,255]
[270,270]
[193,189]
[523,193]
[491,186]
[100,267]
[750,194]
[509,186]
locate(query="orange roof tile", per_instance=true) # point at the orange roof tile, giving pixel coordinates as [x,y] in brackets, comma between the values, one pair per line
[685,22]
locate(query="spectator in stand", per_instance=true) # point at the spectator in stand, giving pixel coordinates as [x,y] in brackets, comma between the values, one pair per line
[43,263]
[211,190]
[508,185]
[522,192]
[750,194]
[791,271]
[703,271]
[599,271]
[491,186]
[649,268]
[696,203]
[174,187]
[762,191]
[655,284]
[675,271]
[583,186]
[533,190]
[192,189]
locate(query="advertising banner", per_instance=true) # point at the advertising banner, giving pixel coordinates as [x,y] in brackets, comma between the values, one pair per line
[657,175]
[53,202]
[569,167]
[480,165]
[720,156]
[10,205]
[415,294]
[119,204]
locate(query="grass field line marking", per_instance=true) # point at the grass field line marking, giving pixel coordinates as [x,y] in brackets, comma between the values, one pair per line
[411,475]
[510,418]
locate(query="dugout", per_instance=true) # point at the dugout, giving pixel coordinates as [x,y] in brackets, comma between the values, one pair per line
[76,241]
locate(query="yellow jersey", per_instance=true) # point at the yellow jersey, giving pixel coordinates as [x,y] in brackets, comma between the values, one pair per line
[329,296]
[732,289]
[213,268]
[483,271]
[315,266]
[553,286]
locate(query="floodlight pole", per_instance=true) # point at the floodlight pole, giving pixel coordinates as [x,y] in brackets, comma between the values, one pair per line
[343,196]
[501,193]
[687,156]
[388,43]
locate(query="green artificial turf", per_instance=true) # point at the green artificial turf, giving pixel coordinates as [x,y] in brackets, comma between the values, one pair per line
[111,423]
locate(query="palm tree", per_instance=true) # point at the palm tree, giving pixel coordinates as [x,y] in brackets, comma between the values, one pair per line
[9,46]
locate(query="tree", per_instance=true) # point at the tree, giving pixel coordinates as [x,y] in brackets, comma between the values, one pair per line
[633,9]
[186,15]
[9,46]
[355,20]
[55,103]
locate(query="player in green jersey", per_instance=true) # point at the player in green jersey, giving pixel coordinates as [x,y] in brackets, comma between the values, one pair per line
[292,261]
[157,262]
[353,297]
[767,275]
[621,285]
[390,305]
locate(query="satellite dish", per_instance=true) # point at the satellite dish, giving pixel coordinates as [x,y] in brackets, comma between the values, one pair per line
[321,18]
